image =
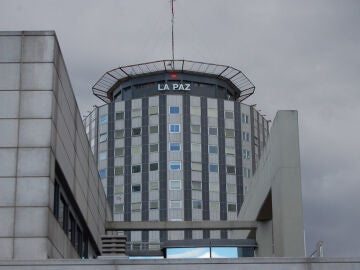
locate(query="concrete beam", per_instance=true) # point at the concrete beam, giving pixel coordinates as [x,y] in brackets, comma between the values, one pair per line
[179,225]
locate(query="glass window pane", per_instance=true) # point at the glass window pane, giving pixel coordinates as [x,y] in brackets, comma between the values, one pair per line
[175,184]
[231,207]
[103,137]
[230,169]
[119,208]
[154,204]
[195,129]
[119,152]
[231,188]
[136,150]
[174,109]
[103,173]
[136,131]
[153,110]
[196,147]
[195,110]
[175,165]
[119,134]
[154,129]
[229,114]
[212,112]
[213,167]
[212,131]
[154,147]
[154,185]
[230,133]
[196,185]
[136,207]
[119,115]
[136,168]
[119,170]
[154,166]
[174,147]
[230,150]
[136,188]
[213,149]
[174,128]
[136,113]
[103,119]
[103,155]
[197,204]
[196,166]
[214,187]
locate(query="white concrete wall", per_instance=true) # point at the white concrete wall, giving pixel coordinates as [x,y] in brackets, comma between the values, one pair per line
[40,123]
[189,264]
[278,173]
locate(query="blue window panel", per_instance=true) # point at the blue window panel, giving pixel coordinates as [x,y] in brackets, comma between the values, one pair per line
[174,128]
[213,167]
[174,109]
[103,173]
[103,119]
[175,165]
[175,147]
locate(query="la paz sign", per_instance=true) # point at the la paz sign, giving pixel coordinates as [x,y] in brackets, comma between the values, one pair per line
[174,87]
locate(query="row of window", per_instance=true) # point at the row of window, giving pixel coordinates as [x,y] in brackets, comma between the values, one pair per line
[175,128]
[173,204]
[176,185]
[194,110]
[174,147]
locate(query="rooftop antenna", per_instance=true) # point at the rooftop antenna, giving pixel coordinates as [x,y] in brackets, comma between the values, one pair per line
[172,33]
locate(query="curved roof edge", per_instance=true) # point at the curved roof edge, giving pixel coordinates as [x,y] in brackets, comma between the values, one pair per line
[105,86]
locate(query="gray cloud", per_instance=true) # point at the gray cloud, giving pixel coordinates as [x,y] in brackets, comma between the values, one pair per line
[300,55]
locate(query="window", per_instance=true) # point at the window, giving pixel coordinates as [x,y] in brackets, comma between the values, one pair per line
[175,165]
[174,109]
[174,147]
[196,185]
[119,208]
[214,187]
[154,148]
[196,147]
[136,168]
[136,131]
[229,133]
[119,152]
[230,169]
[119,189]
[136,150]
[119,115]
[197,204]
[213,149]
[119,170]
[153,110]
[175,204]
[245,118]
[154,166]
[174,128]
[212,112]
[231,188]
[246,172]
[229,114]
[195,129]
[231,207]
[246,154]
[213,167]
[213,131]
[136,188]
[154,129]
[154,205]
[102,173]
[136,207]
[175,184]
[103,119]
[229,150]
[103,137]
[119,134]
[103,155]
[214,206]
[246,136]
[136,113]
[154,185]
[196,166]
[195,110]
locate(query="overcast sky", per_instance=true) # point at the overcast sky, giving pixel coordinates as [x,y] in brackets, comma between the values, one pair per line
[302,55]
